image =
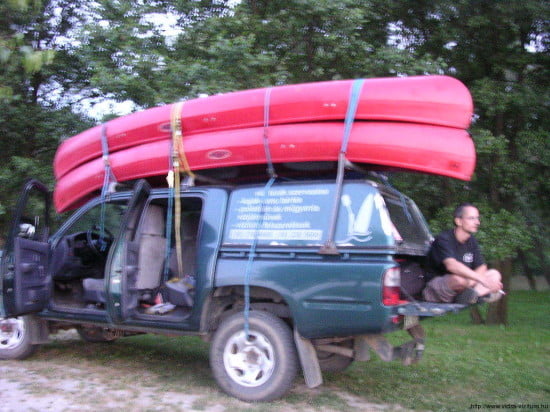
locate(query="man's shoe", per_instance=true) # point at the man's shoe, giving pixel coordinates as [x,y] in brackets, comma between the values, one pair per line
[490,297]
[467,297]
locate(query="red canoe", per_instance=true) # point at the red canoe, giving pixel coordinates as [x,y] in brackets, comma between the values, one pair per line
[433,100]
[425,148]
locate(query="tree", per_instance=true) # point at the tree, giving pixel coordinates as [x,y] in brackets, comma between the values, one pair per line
[36,70]
[221,48]
[58,53]
[500,51]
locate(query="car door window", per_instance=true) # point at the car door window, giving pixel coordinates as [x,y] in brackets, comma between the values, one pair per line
[92,218]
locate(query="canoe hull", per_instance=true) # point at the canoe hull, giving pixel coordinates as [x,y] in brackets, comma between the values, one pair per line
[431,100]
[387,145]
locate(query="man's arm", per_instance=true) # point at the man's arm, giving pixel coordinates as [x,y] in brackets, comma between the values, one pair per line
[455,267]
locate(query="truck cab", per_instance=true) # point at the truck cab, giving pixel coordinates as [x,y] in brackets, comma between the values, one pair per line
[246,268]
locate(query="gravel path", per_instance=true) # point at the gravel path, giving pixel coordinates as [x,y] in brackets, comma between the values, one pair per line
[44,384]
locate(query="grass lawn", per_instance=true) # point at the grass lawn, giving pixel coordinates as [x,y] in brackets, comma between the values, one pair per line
[466,364]
[463,365]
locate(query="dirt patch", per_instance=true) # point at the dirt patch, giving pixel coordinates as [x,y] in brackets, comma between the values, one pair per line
[75,384]
[25,387]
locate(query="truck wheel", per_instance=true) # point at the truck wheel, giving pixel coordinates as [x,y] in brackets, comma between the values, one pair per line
[260,368]
[96,334]
[15,338]
[333,362]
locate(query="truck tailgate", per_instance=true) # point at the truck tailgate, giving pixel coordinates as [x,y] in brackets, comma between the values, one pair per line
[429,308]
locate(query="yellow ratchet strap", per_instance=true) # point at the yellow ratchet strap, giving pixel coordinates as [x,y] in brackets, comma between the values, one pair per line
[175,124]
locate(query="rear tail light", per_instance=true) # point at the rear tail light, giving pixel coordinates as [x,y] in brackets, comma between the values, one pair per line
[391,287]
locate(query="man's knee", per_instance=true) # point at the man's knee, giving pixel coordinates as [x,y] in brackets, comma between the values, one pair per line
[438,290]
[493,274]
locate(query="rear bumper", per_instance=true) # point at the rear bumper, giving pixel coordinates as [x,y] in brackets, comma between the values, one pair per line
[429,309]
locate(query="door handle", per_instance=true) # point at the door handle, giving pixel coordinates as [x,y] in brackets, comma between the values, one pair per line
[28,267]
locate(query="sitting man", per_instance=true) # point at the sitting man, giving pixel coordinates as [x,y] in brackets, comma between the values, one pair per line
[456,269]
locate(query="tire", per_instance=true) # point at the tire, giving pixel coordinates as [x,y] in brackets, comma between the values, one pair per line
[96,334]
[16,338]
[261,369]
[333,362]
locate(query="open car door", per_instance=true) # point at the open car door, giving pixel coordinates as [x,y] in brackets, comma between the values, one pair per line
[25,283]
[122,264]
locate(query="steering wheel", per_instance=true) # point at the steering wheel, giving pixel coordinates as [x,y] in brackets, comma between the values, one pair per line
[93,237]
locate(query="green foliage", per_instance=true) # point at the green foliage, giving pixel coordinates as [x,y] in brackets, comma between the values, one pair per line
[500,51]
[502,234]
[37,69]
[56,53]
[23,49]
[254,44]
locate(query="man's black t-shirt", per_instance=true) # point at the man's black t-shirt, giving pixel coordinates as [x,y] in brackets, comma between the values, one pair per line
[445,246]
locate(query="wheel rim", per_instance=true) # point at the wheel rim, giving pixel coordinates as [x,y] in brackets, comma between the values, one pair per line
[12,332]
[249,362]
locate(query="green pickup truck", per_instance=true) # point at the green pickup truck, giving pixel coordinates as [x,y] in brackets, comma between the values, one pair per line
[273,278]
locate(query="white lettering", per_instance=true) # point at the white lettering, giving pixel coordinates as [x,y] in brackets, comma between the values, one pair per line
[278,235]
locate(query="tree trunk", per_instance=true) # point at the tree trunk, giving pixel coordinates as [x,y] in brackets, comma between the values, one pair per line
[497,314]
[476,316]
[528,272]
[539,248]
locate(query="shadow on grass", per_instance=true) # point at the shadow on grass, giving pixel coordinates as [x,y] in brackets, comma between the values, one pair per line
[173,364]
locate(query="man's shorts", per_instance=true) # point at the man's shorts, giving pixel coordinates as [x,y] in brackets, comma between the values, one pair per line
[438,290]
